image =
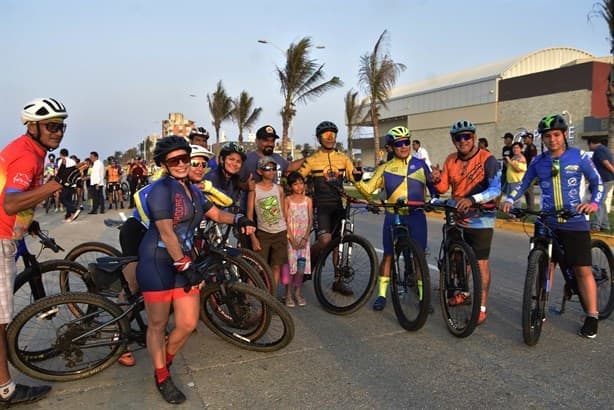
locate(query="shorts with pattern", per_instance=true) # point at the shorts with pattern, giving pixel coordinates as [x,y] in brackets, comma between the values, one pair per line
[8,271]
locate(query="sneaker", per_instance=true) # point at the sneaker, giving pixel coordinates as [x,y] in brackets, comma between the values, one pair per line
[481,318]
[127,359]
[460,299]
[340,287]
[589,330]
[380,303]
[170,392]
[290,302]
[25,394]
[301,301]
[75,215]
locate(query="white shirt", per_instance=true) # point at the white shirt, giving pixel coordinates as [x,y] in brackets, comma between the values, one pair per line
[423,154]
[97,176]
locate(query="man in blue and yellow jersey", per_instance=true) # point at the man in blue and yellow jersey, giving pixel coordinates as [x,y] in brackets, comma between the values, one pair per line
[559,172]
[404,176]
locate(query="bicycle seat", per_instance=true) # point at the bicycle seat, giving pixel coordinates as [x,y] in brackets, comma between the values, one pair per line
[111,263]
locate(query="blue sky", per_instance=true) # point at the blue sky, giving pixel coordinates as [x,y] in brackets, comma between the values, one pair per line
[121,66]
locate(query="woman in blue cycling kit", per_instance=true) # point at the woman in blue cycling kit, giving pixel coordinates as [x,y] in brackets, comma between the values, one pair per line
[175,208]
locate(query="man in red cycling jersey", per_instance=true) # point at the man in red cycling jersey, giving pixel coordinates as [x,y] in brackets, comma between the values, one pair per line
[21,169]
[474,176]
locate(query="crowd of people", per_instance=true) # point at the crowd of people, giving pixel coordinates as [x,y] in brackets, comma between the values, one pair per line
[277,211]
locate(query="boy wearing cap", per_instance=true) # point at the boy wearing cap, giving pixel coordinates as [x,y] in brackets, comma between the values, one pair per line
[265,204]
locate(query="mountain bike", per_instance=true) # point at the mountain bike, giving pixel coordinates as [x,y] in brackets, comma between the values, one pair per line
[538,282]
[75,335]
[460,280]
[409,273]
[350,259]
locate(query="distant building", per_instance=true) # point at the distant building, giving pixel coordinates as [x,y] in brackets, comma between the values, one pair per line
[177,125]
[500,97]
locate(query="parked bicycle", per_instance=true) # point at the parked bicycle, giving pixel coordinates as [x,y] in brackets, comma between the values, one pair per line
[409,273]
[460,281]
[349,258]
[75,335]
[538,282]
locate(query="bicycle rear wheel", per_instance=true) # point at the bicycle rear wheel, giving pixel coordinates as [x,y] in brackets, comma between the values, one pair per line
[411,285]
[460,289]
[354,266]
[603,267]
[47,341]
[246,316]
[125,191]
[535,296]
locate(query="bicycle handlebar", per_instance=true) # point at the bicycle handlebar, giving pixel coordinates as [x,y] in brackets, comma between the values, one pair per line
[562,213]
[47,241]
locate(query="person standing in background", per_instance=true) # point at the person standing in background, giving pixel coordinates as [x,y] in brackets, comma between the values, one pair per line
[97,183]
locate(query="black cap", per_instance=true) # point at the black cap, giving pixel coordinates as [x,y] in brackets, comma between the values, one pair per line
[508,135]
[266,132]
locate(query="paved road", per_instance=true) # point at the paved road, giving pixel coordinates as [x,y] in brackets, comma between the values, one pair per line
[366,360]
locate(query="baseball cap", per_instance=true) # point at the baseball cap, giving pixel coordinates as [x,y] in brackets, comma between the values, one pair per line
[508,135]
[266,132]
[266,160]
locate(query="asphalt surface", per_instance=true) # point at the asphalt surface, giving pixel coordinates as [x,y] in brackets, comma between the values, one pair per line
[365,360]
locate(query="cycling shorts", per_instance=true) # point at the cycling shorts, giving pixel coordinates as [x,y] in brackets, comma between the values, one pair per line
[327,218]
[130,236]
[416,222]
[113,186]
[479,240]
[158,274]
[577,246]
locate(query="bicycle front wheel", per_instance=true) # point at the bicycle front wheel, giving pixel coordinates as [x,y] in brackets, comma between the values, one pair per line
[344,277]
[47,341]
[125,191]
[258,263]
[246,316]
[603,267]
[411,285]
[460,289]
[535,296]
[51,278]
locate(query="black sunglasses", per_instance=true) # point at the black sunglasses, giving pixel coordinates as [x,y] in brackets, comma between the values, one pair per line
[464,137]
[174,161]
[401,143]
[55,126]
[269,168]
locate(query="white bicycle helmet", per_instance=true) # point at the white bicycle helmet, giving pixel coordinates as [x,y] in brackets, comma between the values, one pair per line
[43,109]
[198,151]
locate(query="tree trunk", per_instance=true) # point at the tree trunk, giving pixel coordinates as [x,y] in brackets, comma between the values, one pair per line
[375,122]
[350,153]
[241,136]
[284,136]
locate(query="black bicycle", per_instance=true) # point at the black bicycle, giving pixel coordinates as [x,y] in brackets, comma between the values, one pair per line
[348,259]
[409,272]
[540,274]
[75,335]
[460,281]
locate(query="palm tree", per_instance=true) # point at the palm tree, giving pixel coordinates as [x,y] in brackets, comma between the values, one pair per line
[352,111]
[220,107]
[377,75]
[300,81]
[605,9]
[243,113]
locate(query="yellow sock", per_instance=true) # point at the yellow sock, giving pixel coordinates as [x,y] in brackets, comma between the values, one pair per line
[383,285]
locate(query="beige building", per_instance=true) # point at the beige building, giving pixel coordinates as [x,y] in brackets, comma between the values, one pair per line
[500,97]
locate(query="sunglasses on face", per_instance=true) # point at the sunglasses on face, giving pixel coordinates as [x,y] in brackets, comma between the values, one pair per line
[463,137]
[174,161]
[401,143]
[55,126]
[328,134]
[269,168]
[198,164]
[556,168]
